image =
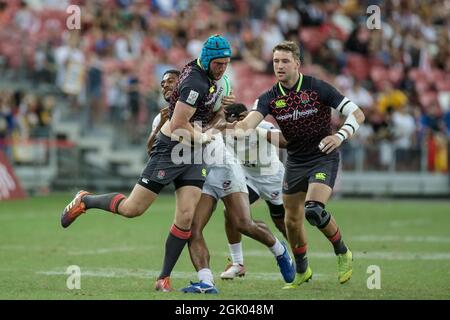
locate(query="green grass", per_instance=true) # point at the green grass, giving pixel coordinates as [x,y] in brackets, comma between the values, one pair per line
[120,258]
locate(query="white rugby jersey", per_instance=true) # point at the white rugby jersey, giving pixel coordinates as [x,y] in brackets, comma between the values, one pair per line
[257,154]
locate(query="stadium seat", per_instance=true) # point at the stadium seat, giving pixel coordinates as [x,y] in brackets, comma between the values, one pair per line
[358,66]
[312,38]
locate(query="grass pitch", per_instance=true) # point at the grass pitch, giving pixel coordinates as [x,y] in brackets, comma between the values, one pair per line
[120,258]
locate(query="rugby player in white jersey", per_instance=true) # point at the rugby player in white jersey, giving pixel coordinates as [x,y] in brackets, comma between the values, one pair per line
[264,178]
[226,181]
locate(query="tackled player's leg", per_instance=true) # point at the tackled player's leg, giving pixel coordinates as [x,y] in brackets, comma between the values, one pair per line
[277,214]
[235,267]
[238,212]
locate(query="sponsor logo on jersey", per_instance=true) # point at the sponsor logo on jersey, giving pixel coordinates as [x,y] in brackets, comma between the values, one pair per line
[281,103]
[284,117]
[193,95]
[299,114]
[321,176]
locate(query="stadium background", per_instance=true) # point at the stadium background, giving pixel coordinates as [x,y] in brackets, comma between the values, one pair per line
[76,108]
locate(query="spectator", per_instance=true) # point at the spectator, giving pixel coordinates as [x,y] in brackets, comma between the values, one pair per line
[359,95]
[94,85]
[404,129]
[405,63]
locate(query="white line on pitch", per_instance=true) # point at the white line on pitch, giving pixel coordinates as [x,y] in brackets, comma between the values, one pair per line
[146,274]
[379,255]
[394,238]
[407,223]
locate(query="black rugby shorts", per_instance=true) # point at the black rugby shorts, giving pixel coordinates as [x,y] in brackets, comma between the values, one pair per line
[299,175]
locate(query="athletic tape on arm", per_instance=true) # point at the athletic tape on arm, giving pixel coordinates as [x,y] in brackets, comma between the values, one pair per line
[351,125]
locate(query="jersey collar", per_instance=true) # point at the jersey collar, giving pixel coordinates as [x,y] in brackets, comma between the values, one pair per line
[201,67]
[297,89]
[199,64]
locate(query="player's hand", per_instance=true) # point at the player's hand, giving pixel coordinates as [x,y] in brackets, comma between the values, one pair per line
[231,125]
[229,100]
[208,136]
[164,114]
[329,143]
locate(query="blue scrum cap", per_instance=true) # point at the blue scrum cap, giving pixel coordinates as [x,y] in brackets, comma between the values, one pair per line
[215,47]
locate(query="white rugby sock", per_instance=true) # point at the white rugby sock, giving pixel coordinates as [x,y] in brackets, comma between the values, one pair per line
[205,275]
[277,249]
[236,253]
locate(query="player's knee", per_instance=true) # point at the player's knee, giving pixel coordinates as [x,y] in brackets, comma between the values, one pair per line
[293,217]
[184,218]
[243,225]
[292,223]
[131,211]
[316,214]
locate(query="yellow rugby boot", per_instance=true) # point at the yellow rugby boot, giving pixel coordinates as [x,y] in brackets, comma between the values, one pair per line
[299,279]
[345,266]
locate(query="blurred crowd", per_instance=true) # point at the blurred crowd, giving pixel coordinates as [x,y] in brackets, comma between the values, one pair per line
[110,69]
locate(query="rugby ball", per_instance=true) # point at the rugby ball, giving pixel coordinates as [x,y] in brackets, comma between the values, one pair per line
[223,89]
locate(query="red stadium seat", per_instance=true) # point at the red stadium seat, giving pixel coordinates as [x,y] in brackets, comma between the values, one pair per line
[249,86]
[396,75]
[358,66]
[312,38]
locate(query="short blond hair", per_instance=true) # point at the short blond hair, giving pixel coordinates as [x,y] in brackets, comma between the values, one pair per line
[289,46]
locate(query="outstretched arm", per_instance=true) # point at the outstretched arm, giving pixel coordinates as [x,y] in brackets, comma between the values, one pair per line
[251,121]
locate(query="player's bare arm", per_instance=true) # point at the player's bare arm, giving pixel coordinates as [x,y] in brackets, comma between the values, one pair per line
[249,122]
[355,117]
[179,126]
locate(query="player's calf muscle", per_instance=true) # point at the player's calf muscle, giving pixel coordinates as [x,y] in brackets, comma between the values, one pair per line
[130,211]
